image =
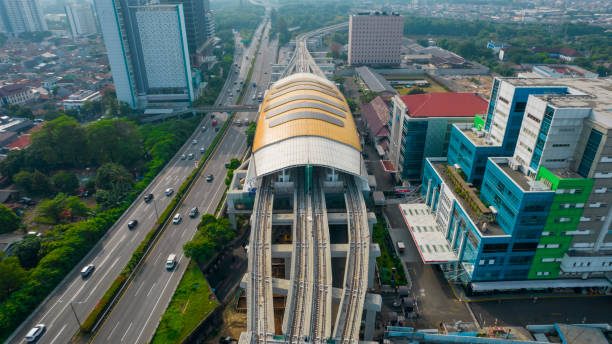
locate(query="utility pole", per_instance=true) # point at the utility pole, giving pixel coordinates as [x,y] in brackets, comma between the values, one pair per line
[75,315]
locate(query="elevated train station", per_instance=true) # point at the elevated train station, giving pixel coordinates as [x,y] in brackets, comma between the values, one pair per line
[305,188]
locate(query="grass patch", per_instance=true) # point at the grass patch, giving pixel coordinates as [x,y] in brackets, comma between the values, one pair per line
[192,302]
[433,85]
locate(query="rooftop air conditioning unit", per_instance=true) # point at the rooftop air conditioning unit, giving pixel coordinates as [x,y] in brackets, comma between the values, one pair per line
[481,133]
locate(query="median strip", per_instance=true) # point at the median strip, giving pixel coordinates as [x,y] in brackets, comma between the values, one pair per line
[118,287]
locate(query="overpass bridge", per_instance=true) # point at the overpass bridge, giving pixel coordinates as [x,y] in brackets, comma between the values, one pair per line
[153,115]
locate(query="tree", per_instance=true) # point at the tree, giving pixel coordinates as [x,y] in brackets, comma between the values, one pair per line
[113,175]
[116,140]
[234,164]
[250,133]
[423,42]
[9,221]
[41,184]
[12,276]
[60,143]
[65,182]
[416,90]
[23,180]
[60,208]
[27,251]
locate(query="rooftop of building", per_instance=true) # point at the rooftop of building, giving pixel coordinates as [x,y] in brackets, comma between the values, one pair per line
[590,93]
[526,183]
[374,81]
[377,13]
[444,104]
[477,216]
[564,173]
[82,95]
[12,89]
[376,114]
[477,137]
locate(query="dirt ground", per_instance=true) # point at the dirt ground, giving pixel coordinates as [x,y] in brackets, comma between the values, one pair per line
[234,323]
[478,83]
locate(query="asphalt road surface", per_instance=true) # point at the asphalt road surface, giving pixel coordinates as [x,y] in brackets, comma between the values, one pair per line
[136,316]
[115,250]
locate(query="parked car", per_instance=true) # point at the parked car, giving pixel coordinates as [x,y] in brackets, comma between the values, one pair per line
[148,198]
[87,270]
[35,333]
[132,224]
[169,191]
[177,219]
[193,212]
[27,201]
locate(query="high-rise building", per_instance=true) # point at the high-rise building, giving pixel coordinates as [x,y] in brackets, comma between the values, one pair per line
[375,38]
[81,20]
[421,126]
[17,16]
[148,53]
[541,215]
[197,25]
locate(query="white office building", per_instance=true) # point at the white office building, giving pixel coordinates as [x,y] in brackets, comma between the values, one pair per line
[375,38]
[18,16]
[148,53]
[81,20]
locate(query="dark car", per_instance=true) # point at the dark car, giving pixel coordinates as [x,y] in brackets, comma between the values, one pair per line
[193,212]
[209,178]
[148,198]
[132,224]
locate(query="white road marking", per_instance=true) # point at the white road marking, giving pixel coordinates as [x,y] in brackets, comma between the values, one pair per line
[102,279]
[114,328]
[113,249]
[58,334]
[150,290]
[138,290]
[156,303]
[126,332]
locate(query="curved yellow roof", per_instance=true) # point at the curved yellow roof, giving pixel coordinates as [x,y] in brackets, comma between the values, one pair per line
[304,104]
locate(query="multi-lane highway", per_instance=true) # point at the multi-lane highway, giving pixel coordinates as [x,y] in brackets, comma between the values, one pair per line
[138,312]
[152,289]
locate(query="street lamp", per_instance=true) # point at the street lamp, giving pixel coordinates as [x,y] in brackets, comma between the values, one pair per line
[74,312]
[155,206]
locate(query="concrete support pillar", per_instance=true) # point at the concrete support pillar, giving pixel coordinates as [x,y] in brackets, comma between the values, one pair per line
[603,231]
[462,245]
[371,266]
[455,226]
[287,268]
[433,200]
[455,233]
[230,213]
[427,193]
[370,323]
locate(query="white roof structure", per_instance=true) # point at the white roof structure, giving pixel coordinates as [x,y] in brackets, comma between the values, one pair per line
[429,238]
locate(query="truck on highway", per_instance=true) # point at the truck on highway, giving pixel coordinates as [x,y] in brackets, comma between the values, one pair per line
[214,122]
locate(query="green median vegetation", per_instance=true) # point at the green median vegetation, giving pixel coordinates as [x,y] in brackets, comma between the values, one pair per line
[388,259]
[192,302]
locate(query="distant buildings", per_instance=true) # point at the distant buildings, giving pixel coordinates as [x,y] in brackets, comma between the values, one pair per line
[564,53]
[421,126]
[148,53]
[199,25]
[558,71]
[75,101]
[18,16]
[375,38]
[374,82]
[524,195]
[81,20]
[15,94]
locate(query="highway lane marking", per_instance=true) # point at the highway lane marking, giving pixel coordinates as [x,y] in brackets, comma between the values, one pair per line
[156,303]
[114,328]
[182,235]
[67,303]
[150,290]
[111,251]
[128,330]
[138,290]
[59,333]
[102,279]
[156,258]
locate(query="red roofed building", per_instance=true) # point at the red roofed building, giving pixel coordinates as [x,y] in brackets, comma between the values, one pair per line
[376,115]
[421,125]
[24,140]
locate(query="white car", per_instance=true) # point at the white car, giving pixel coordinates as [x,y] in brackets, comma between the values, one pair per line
[35,333]
[177,219]
[194,142]
[169,191]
